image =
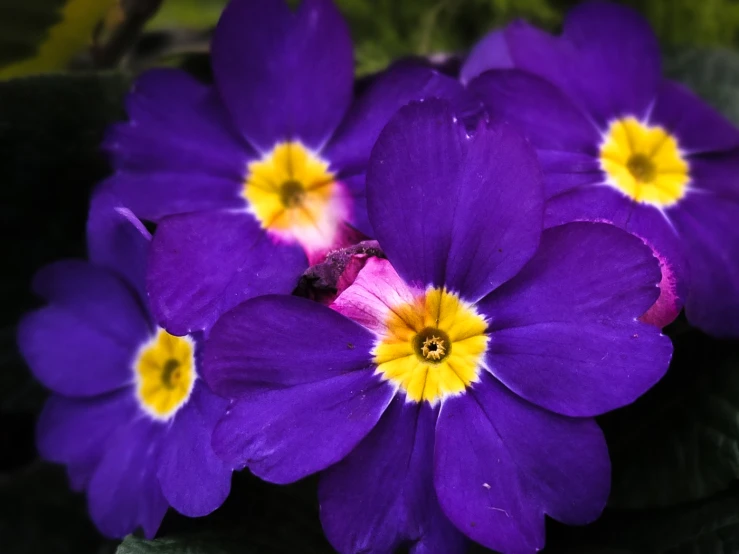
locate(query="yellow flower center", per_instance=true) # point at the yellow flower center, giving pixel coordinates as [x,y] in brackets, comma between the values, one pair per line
[645,163]
[293,194]
[165,370]
[433,346]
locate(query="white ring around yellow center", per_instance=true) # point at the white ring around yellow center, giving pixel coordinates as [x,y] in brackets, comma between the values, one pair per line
[290,189]
[433,347]
[165,374]
[644,162]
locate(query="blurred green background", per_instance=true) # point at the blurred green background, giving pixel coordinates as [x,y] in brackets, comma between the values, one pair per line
[383,29]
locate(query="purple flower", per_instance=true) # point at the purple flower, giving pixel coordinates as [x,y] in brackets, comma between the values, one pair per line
[129,414]
[617,142]
[256,176]
[451,389]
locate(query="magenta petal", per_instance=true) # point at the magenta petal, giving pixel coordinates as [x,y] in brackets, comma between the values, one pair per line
[433,192]
[607,59]
[350,146]
[360,516]
[285,434]
[500,464]
[193,479]
[710,236]
[75,431]
[204,264]
[124,493]
[284,75]
[655,229]
[564,332]
[117,240]
[84,341]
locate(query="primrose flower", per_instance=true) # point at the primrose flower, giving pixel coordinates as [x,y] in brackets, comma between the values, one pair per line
[257,176]
[450,390]
[617,142]
[129,414]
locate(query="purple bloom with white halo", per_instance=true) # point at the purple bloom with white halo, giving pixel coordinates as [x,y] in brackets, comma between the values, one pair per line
[257,176]
[129,415]
[617,142]
[449,391]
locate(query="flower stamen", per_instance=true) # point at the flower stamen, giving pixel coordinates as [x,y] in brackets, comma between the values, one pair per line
[644,163]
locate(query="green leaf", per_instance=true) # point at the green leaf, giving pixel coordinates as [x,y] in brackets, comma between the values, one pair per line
[38,36]
[712,73]
[181,545]
[191,14]
[223,543]
[681,22]
[384,30]
[679,442]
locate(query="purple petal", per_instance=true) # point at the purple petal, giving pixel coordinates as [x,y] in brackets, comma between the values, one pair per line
[350,147]
[124,493]
[179,152]
[204,264]
[708,228]
[359,218]
[83,343]
[75,431]
[155,195]
[565,140]
[697,126]
[564,332]
[655,229]
[118,241]
[605,204]
[177,125]
[284,75]
[285,434]
[607,59]
[433,191]
[715,173]
[272,341]
[193,479]
[490,52]
[80,473]
[500,464]
[585,203]
[360,516]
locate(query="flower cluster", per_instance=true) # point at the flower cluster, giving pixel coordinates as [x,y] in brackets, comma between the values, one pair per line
[538,219]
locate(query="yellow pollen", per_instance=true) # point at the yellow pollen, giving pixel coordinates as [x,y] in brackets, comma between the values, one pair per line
[290,188]
[165,372]
[433,346]
[644,162]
